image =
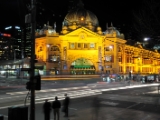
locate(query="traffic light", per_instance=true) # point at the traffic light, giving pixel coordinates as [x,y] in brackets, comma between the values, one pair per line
[28,85]
[37,82]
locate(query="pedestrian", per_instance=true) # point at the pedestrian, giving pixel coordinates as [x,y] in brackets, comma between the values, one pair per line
[66,105]
[56,105]
[47,110]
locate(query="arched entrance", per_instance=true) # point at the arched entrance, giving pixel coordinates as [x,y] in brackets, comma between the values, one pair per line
[82,66]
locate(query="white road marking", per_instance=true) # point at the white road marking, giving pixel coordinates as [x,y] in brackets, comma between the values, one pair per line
[48,90]
[73,94]
[109,103]
[128,87]
[133,105]
[73,108]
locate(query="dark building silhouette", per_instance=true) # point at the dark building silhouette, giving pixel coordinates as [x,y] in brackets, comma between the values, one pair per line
[6,48]
[15,32]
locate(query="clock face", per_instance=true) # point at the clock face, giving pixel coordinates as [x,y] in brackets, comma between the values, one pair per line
[82,35]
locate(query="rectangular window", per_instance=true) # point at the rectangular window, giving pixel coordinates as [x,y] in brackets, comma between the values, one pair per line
[109,66]
[133,69]
[54,58]
[85,45]
[79,45]
[108,58]
[72,45]
[120,69]
[64,67]
[127,69]
[120,59]
[127,59]
[109,48]
[92,45]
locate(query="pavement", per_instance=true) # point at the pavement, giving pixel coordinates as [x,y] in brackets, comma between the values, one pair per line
[113,113]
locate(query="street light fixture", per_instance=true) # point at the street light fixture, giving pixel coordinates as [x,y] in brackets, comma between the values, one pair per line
[48,45]
[146,39]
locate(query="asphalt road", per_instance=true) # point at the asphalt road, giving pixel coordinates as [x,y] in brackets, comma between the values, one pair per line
[91,102]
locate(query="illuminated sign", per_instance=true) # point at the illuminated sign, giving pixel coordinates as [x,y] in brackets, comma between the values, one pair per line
[5,35]
[17,27]
[9,27]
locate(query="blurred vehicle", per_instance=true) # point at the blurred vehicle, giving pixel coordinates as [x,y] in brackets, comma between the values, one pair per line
[111,78]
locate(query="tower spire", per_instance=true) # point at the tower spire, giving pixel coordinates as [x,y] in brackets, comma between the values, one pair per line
[54,25]
[111,24]
[48,23]
[107,26]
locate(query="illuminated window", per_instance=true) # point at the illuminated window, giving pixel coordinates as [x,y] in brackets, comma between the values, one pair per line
[109,48]
[72,45]
[108,58]
[54,48]
[64,67]
[109,66]
[82,18]
[54,58]
[92,45]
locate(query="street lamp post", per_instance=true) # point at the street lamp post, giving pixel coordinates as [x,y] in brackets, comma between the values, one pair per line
[31,19]
[33,25]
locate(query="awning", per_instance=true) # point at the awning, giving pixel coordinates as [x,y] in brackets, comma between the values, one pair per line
[83,66]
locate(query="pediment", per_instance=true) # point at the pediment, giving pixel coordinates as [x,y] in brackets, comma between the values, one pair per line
[83,33]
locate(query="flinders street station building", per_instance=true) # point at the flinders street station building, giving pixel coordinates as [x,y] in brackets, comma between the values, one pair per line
[82,48]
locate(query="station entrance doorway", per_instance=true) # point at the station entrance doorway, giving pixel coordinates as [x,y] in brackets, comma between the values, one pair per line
[82,66]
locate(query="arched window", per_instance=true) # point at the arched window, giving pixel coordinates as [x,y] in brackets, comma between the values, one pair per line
[54,48]
[109,48]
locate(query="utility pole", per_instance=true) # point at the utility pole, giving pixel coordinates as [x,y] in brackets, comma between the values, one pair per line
[32,62]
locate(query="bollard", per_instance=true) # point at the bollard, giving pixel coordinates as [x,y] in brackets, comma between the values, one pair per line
[1,117]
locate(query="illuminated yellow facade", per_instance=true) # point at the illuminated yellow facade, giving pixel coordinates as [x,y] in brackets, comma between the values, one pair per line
[83,48]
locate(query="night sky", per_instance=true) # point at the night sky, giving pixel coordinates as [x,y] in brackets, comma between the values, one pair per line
[107,11]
